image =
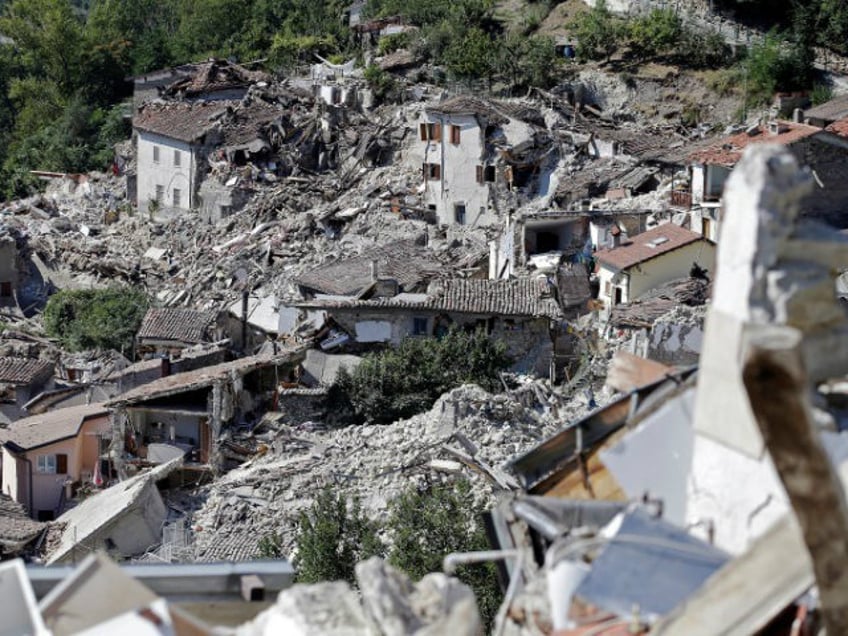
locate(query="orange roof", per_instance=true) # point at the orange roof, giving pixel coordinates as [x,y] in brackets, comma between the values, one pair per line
[839,127]
[728,150]
[647,245]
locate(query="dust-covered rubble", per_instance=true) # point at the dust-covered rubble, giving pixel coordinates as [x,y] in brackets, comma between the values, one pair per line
[468,431]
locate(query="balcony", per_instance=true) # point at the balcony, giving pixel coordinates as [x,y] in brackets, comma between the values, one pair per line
[681,199]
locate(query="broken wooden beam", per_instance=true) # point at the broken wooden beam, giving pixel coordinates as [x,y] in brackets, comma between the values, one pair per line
[776,382]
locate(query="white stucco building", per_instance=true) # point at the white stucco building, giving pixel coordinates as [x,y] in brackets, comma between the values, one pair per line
[172,145]
[455,147]
[651,259]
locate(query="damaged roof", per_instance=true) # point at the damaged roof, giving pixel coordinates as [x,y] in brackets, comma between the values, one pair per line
[648,245]
[23,371]
[728,150]
[53,426]
[833,110]
[203,377]
[246,123]
[522,297]
[179,325]
[496,111]
[644,312]
[16,527]
[405,261]
[181,120]
[213,75]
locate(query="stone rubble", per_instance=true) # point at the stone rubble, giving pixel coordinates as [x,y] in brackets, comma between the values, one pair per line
[376,463]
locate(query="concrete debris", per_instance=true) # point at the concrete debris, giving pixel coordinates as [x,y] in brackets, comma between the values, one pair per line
[374,463]
[390,605]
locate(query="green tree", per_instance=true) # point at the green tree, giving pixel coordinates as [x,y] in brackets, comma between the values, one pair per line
[48,39]
[599,33]
[95,318]
[332,538]
[400,382]
[427,525]
[656,33]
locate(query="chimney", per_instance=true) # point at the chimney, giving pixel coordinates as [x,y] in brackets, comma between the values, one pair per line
[615,236]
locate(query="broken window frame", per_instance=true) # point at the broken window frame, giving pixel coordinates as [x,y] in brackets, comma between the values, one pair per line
[430,131]
[155,154]
[432,171]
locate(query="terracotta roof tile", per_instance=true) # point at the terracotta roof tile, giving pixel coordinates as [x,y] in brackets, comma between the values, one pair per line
[643,247]
[728,150]
[182,121]
[52,426]
[524,297]
[23,370]
[178,325]
[839,127]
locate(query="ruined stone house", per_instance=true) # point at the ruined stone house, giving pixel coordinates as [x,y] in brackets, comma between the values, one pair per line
[21,379]
[167,330]
[189,414]
[467,147]
[824,152]
[524,313]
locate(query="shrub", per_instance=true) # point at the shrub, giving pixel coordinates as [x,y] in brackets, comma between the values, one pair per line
[95,318]
[398,383]
[599,33]
[332,538]
[429,524]
[654,34]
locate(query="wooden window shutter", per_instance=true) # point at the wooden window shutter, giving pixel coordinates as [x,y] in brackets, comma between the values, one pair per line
[62,464]
[437,132]
[479,174]
[437,171]
[454,134]
[422,128]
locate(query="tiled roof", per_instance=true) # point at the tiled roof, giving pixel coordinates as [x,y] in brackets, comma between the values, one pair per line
[179,325]
[643,247]
[839,127]
[215,75]
[15,526]
[52,426]
[404,261]
[23,370]
[524,297]
[728,150]
[182,121]
[836,108]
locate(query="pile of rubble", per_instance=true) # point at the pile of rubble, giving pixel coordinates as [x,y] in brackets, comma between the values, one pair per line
[468,432]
